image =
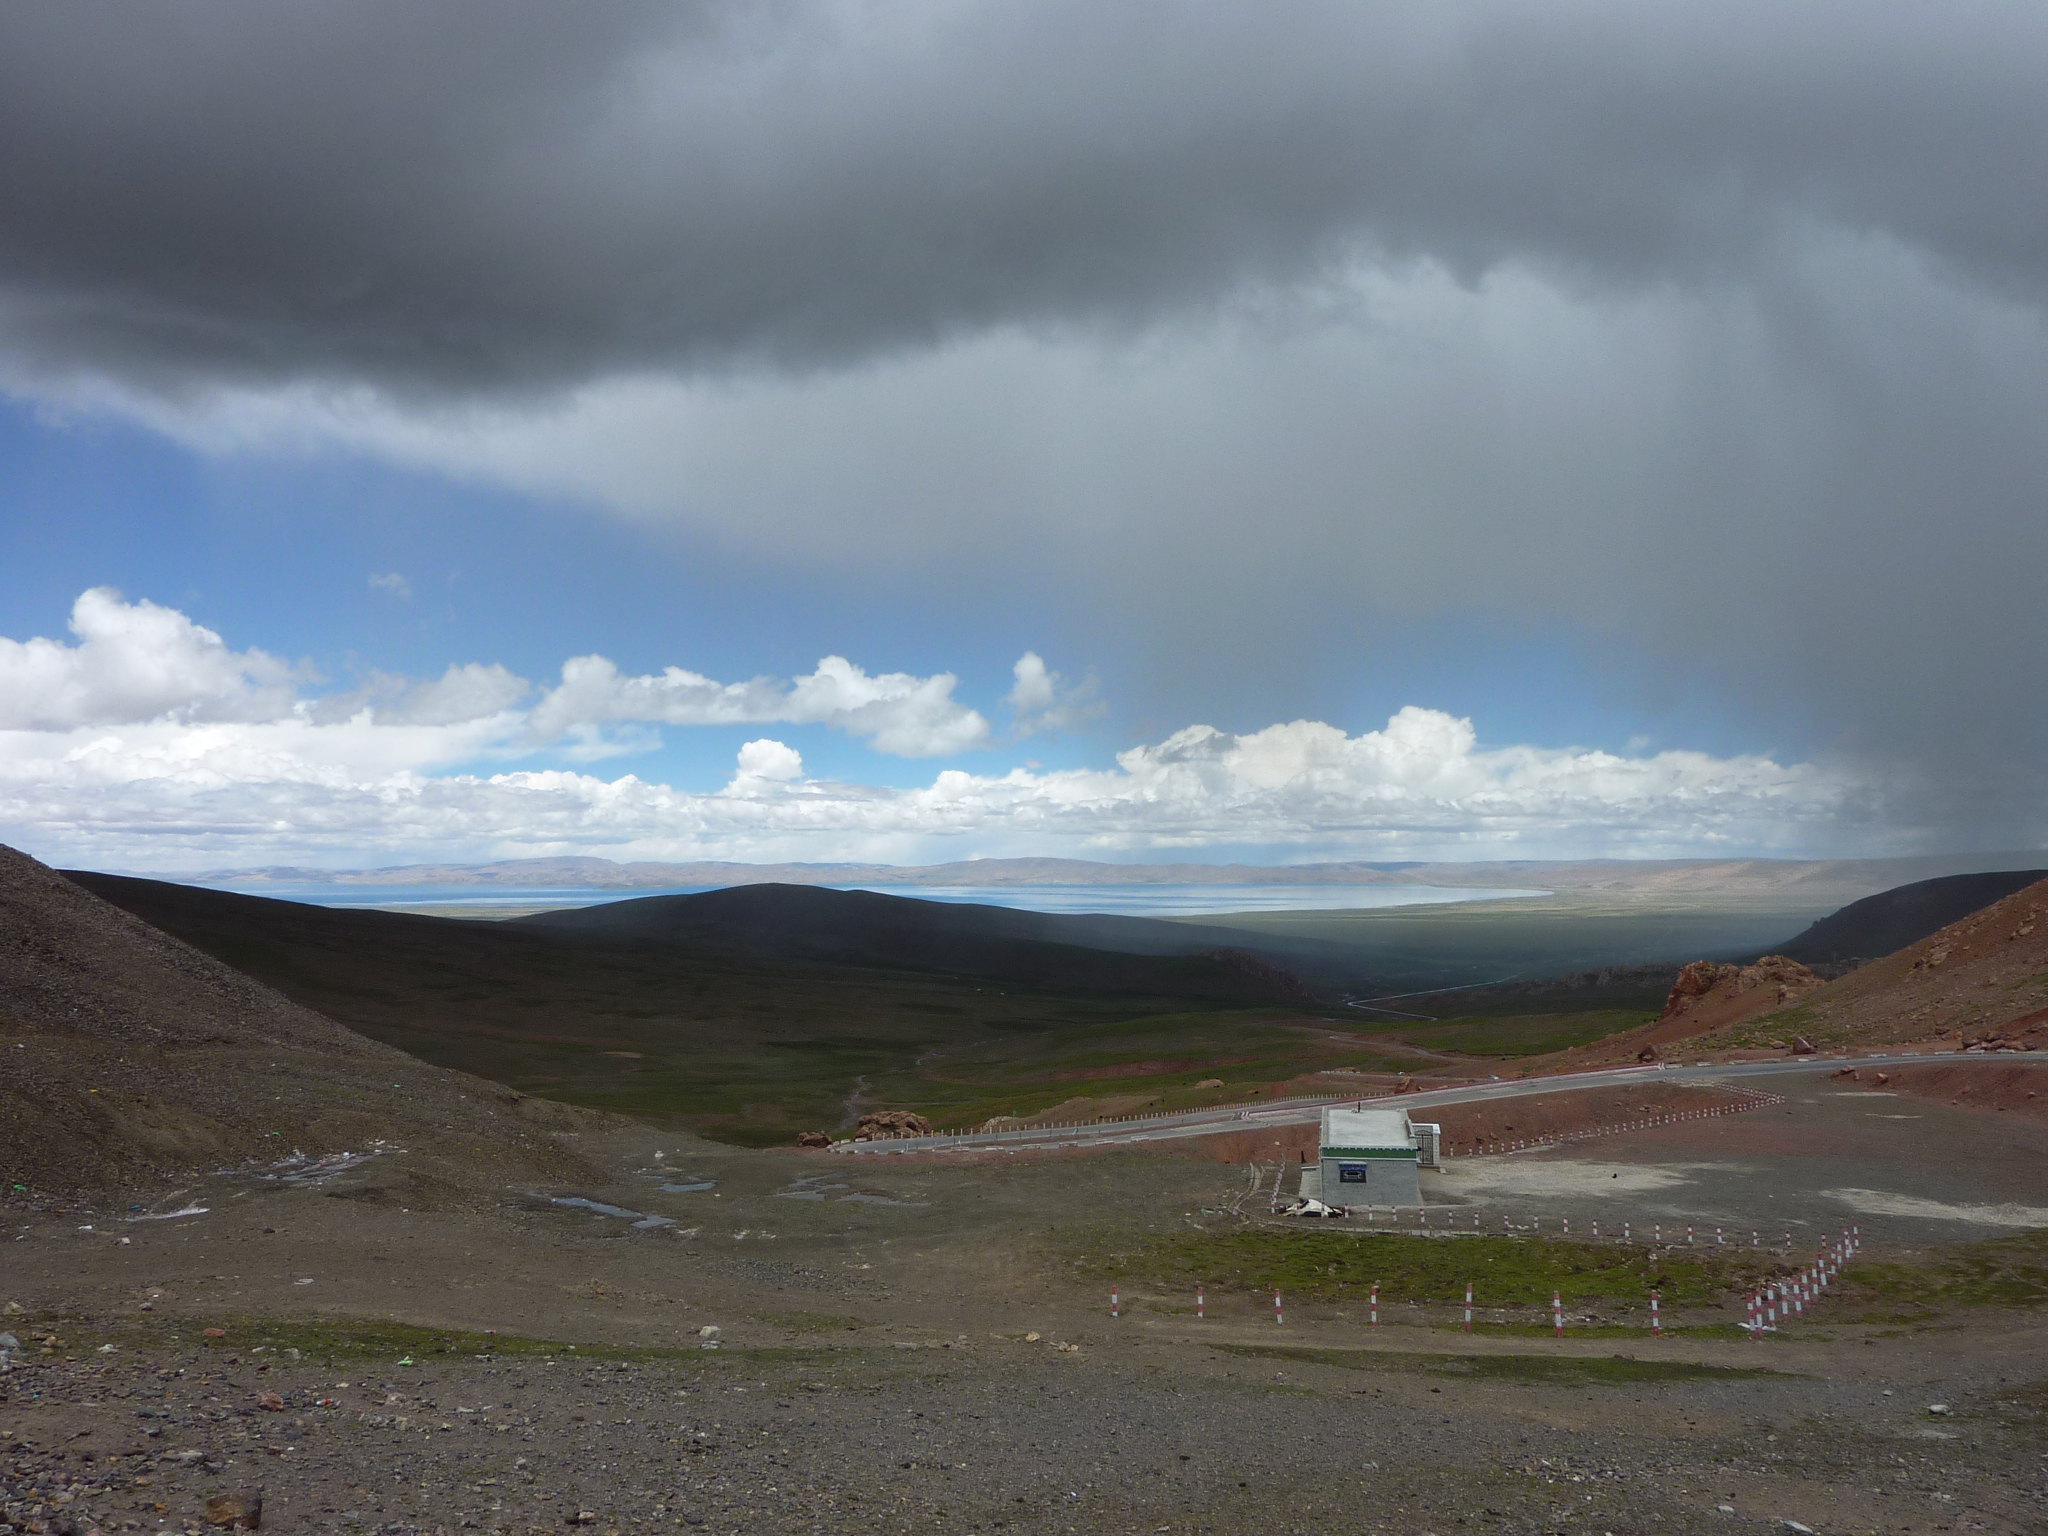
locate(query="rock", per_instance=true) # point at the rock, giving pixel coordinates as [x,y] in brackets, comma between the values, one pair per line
[270,1402]
[1696,981]
[236,1511]
[1848,1072]
[581,1517]
[891,1125]
[213,1333]
[813,1139]
[1940,1410]
[13,1309]
[1210,1082]
[1883,1078]
[1647,1053]
[1801,1046]
[1781,977]
[708,1331]
[1797,1529]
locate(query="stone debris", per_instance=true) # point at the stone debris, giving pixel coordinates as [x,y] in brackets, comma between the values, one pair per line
[236,1511]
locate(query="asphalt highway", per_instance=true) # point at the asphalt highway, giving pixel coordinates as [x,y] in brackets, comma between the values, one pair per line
[1208,1122]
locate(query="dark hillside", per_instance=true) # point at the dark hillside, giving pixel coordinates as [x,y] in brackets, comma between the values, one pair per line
[743,1046]
[868,929]
[1889,921]
[128,1057]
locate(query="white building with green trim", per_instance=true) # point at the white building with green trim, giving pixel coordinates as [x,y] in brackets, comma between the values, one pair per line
[1374,1157]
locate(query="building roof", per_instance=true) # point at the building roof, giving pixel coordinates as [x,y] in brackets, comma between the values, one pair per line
[1385,1129]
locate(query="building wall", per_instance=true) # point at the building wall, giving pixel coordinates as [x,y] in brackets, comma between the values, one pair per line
[1386,1180]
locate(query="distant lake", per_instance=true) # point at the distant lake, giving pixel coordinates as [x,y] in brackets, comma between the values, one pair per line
[1126,900]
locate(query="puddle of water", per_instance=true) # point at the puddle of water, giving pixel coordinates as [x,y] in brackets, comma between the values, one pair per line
[640,1219]
[190,1210]
[812,1186]
[859,1199]
[690,1187]
[302,1168]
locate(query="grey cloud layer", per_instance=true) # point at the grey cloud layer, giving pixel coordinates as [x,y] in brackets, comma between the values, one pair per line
[1711,331]
[468,195]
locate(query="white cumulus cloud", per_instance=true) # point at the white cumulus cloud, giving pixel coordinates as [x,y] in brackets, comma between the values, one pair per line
[135,662]
[1041,699]
[151,744]
[895,712]
[768,759]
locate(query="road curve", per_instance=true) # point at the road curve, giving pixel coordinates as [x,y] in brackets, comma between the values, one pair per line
[1211,1122]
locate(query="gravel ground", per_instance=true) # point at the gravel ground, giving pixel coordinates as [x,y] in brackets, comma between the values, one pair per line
[878,1368]
[993,1436]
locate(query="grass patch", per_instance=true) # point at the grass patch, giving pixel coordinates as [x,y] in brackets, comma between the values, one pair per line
[343,1340]
[1341,1266]
[1544,1330]
[2000,1272]
[1533,1034]
[1561,1370]
[811,1322]
[336,1340]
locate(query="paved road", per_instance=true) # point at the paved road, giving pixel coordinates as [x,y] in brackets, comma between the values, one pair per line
[1209,1122]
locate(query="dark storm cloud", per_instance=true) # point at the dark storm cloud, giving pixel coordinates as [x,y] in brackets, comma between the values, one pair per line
[1746,385]
[466,196]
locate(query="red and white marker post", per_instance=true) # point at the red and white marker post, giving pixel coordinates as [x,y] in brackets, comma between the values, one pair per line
[1278,1315]
[1375,1306]
[1116,1304]
[1557,1311]
[1201,1304]
[1656,1317]
[1468,1306]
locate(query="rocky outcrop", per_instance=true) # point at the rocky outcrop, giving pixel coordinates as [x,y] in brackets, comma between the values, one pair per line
[1771,983]
[814,1139]
[891,1125]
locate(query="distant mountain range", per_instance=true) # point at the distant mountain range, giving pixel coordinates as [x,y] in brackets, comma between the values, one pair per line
[1847,878]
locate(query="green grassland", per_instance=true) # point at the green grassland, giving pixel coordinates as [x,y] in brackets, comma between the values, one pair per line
[1511,1035]
[1999,1272]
